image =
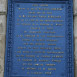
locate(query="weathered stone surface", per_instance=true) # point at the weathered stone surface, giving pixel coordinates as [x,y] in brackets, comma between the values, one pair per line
[75,57]
[75,26]
[3,5]
[76,50]
[75,6]
[2,42]
[1,67]
[2,24]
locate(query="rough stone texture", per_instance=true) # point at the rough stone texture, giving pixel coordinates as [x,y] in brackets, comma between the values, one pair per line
[75,26]
[75,6]
[3,8]
[76,57]
[2,42]
[2,24]
[3,5]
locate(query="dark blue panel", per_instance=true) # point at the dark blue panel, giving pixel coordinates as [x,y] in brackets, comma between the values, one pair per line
[39,39]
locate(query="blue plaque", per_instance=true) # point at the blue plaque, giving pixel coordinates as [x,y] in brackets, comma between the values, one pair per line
[39,40]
